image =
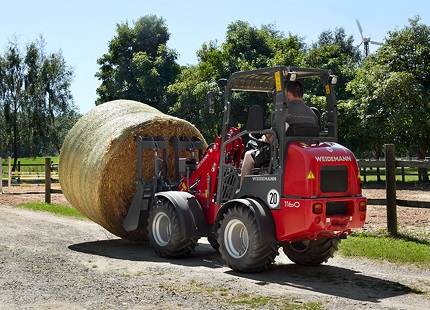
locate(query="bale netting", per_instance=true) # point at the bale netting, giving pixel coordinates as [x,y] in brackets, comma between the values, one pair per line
[98,159]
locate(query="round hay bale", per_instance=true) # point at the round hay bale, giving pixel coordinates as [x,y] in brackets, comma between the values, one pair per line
[98,159]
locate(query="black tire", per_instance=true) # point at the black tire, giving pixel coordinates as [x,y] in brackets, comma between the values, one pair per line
[164,232]
[240,242]
[311,252]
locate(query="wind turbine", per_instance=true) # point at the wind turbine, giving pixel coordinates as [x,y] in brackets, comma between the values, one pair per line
[365,40]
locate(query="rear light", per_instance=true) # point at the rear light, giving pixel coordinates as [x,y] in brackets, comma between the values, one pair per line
[317,208]
[362,205]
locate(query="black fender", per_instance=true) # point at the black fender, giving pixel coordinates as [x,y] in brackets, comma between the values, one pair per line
[266,223]
[190,213]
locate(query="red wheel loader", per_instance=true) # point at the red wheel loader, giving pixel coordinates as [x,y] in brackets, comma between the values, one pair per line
[305,199]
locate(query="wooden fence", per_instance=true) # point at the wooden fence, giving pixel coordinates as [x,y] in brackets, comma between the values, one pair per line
[404,168]
[390,165]
[48,175]
[398,170]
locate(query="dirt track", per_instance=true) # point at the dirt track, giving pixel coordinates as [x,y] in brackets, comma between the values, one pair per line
[49,262]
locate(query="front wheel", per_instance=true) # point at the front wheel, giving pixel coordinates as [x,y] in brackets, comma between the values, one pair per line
[311,252]
[164,231]
[240,242]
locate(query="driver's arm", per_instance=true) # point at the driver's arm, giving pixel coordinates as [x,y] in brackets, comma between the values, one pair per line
[267,138]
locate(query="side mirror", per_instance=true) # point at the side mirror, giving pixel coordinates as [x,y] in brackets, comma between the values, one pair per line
[212,96]
[210,101]
[222,83]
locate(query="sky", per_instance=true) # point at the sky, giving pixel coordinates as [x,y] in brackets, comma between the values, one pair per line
[82,29]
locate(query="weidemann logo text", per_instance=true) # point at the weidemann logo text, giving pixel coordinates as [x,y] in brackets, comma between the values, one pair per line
[333,158]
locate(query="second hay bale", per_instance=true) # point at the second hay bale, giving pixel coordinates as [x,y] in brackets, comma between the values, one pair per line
[98,161]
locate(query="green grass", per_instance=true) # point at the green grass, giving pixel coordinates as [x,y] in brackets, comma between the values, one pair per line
[374,178]
[227,296]
[400,249]
[411,174]
[262,302]
[53,208]
[32,161]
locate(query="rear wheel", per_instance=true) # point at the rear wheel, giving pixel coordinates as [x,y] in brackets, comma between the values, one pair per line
[311,252]
[164,231]
[240,242]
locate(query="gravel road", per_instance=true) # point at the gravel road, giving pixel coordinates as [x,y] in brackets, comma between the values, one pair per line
[50,262]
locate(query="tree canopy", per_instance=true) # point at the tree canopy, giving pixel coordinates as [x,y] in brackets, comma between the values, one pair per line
[138,65]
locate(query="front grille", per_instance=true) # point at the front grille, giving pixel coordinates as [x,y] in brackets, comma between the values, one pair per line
[334,179]
[336,208]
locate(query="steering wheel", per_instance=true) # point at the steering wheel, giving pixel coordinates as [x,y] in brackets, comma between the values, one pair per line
[257,137]
[255,141]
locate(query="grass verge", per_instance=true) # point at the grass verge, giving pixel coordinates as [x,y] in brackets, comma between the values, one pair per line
[263,302]
[53,208]
[400,249]
[227,297]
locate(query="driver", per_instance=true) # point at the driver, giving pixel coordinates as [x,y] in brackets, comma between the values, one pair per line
[298,113]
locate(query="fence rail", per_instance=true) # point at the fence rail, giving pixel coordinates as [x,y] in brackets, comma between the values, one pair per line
[400,203]
[48,177]
[404,168]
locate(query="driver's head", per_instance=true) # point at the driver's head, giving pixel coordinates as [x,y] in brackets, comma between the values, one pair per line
[294,90]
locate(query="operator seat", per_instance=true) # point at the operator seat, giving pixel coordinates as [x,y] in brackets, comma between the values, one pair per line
[255,118]
[303,130]
[256,123]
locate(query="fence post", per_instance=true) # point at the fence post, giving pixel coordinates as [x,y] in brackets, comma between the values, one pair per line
[18,180]
[9,172]
[390,181]
[1,176]
[48,180]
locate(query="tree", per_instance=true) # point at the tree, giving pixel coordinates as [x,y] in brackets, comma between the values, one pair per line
[139,65]
[407,57]
[371,127]
[392,88]
[35,100]
[60,111]
[191,89]
[12,97]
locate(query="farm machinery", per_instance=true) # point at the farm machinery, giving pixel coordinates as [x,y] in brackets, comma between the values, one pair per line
[305,199]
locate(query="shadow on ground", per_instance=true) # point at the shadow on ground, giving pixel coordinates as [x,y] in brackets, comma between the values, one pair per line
[325,279]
